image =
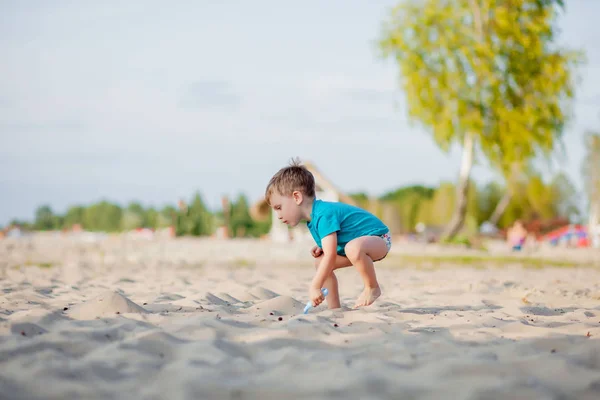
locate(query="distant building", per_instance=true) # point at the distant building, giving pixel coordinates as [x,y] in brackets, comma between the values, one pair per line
[280,232]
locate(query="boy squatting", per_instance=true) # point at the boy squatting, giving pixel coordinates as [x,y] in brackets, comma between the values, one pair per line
[345,235]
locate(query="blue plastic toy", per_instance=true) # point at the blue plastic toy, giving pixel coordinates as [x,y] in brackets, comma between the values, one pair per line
[309,304]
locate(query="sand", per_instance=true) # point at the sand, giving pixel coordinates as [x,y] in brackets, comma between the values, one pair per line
[129,326]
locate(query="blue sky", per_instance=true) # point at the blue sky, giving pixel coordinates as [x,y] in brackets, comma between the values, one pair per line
[149,101]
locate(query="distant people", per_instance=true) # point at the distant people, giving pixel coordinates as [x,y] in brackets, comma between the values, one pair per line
[345,235]
[516,235]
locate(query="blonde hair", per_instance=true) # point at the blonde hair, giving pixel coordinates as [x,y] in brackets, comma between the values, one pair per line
[295,177]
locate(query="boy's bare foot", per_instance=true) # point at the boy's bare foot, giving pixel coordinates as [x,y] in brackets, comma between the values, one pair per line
[367,297]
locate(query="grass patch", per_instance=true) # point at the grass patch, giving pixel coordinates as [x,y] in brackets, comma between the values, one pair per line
[38,264]
[185,265]
[480,262]
[243,263]
[466,242]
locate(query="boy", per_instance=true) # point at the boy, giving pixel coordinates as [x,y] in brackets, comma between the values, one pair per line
[345,235]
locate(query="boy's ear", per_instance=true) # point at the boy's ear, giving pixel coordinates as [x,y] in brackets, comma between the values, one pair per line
[298,197]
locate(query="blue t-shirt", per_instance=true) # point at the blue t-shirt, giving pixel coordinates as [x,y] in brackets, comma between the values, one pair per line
[348,221]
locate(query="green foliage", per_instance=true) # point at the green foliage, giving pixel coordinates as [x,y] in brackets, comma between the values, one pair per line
[533,198]
[240,221]
[459,240]
[411,191]
[489,67]
[22,223]
[260,228]
[197,220]
[361,199]
[73,216]
[150,217]
[443,204]
[407,201]
[166,217]
[401,209]
[131,220]
[437,210]
[434,261]
[45,220]
[103,216]
[489,197]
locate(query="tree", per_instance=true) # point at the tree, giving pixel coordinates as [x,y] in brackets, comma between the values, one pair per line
[26,225]
[532,199]
[490,197]
[45,220]
[514,176]
[441,206]
[131,220]
[361,199]
[196,220]
[133,217]
[73,216]
[407,201]
[240,220]
[137,208]
[483,74]
[166,217]
[103,216]
[151,216]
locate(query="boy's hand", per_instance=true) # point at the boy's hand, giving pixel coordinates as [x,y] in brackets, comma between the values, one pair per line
[316,251]
[316,296]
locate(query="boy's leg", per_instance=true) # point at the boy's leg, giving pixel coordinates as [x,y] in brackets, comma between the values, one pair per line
[331,283]
[361,252]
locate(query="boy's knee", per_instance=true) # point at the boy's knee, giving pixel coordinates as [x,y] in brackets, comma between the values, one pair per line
[352,251]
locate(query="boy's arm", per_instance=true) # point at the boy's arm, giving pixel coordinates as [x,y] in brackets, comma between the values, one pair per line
[327,264]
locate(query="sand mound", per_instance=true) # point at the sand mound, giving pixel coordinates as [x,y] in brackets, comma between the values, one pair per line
[107,304]
[280,305]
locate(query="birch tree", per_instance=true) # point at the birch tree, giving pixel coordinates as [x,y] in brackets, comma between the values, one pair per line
[483,74]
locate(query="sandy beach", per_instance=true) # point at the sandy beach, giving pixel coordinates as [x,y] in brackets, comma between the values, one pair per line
[209,319]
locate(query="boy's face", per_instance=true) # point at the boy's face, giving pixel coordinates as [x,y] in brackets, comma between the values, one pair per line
[287,207]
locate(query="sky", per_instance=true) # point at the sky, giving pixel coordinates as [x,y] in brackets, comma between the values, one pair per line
[152,101]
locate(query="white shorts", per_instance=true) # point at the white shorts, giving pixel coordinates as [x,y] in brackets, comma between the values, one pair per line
[388,240]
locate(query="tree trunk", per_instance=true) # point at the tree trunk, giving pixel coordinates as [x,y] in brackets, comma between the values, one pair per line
[594,226]
[462,190]
[594,168]
[500,208]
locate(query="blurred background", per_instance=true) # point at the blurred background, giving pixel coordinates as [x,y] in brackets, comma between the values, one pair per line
[451,120]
